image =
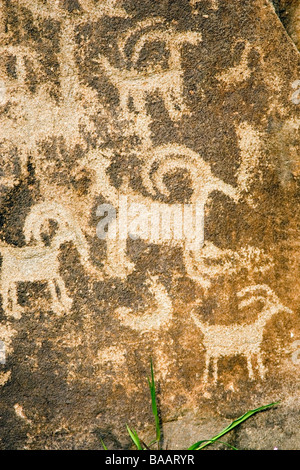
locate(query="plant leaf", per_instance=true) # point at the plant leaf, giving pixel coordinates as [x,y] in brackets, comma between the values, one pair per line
[153,403]
[145,445]
[228,445]
[103,445]
[133,434]
[198,444]
[201,444]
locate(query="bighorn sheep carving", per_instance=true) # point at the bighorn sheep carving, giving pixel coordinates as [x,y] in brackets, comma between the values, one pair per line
[159,163]
[238,339]
[38,262]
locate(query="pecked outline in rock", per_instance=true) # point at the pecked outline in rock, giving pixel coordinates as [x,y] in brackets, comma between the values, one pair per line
[136,85]
[240,339]
[168,158]
[38,262]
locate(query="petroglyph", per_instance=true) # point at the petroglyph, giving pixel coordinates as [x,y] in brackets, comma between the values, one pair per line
[212,262]
[173,127]
[240,339]
[241,72]
[30,264]
[203,260]
[154,318]
[136,84]
[38,116]
[167,159]
[38,262]
[22,55]
[251,153]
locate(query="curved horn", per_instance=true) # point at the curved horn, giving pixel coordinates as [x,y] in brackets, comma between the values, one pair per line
[140,29]
[38,215]
[69,230]
[167,158]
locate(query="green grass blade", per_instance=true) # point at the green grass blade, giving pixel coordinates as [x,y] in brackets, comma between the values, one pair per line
[201,444]
[134,437]
[228,445]
[154,403]
[145,445]
[198,444]
[103,445]
[152,442]
[210,441]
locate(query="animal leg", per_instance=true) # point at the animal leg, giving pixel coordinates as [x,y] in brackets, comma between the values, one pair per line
[206,370]
[143,122]
[117,263]
[174,103]
[215,371]
[261,367]
[124,105]
[11,301]
[5,297]
[64,298]
[250,368]
[57,306]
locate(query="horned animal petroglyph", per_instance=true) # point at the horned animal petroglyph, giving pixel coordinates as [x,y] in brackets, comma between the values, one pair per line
[39,262]
[136,84]
[245,339]
[160,162]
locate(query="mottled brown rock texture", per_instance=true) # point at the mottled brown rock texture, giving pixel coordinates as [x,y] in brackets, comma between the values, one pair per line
[116,116]
[289,13]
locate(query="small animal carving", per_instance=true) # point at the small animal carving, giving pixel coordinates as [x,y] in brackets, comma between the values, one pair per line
[38,262]
[159,163]
[136,84]
[246,340]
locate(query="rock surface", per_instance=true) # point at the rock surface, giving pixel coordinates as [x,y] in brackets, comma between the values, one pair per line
[289,13]
[174,106]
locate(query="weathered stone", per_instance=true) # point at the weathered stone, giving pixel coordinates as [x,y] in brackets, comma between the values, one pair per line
[162,104]
[289,13]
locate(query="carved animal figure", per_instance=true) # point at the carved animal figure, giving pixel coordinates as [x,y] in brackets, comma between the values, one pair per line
[40,262]
[246,340]
[136,84]
[160,162]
